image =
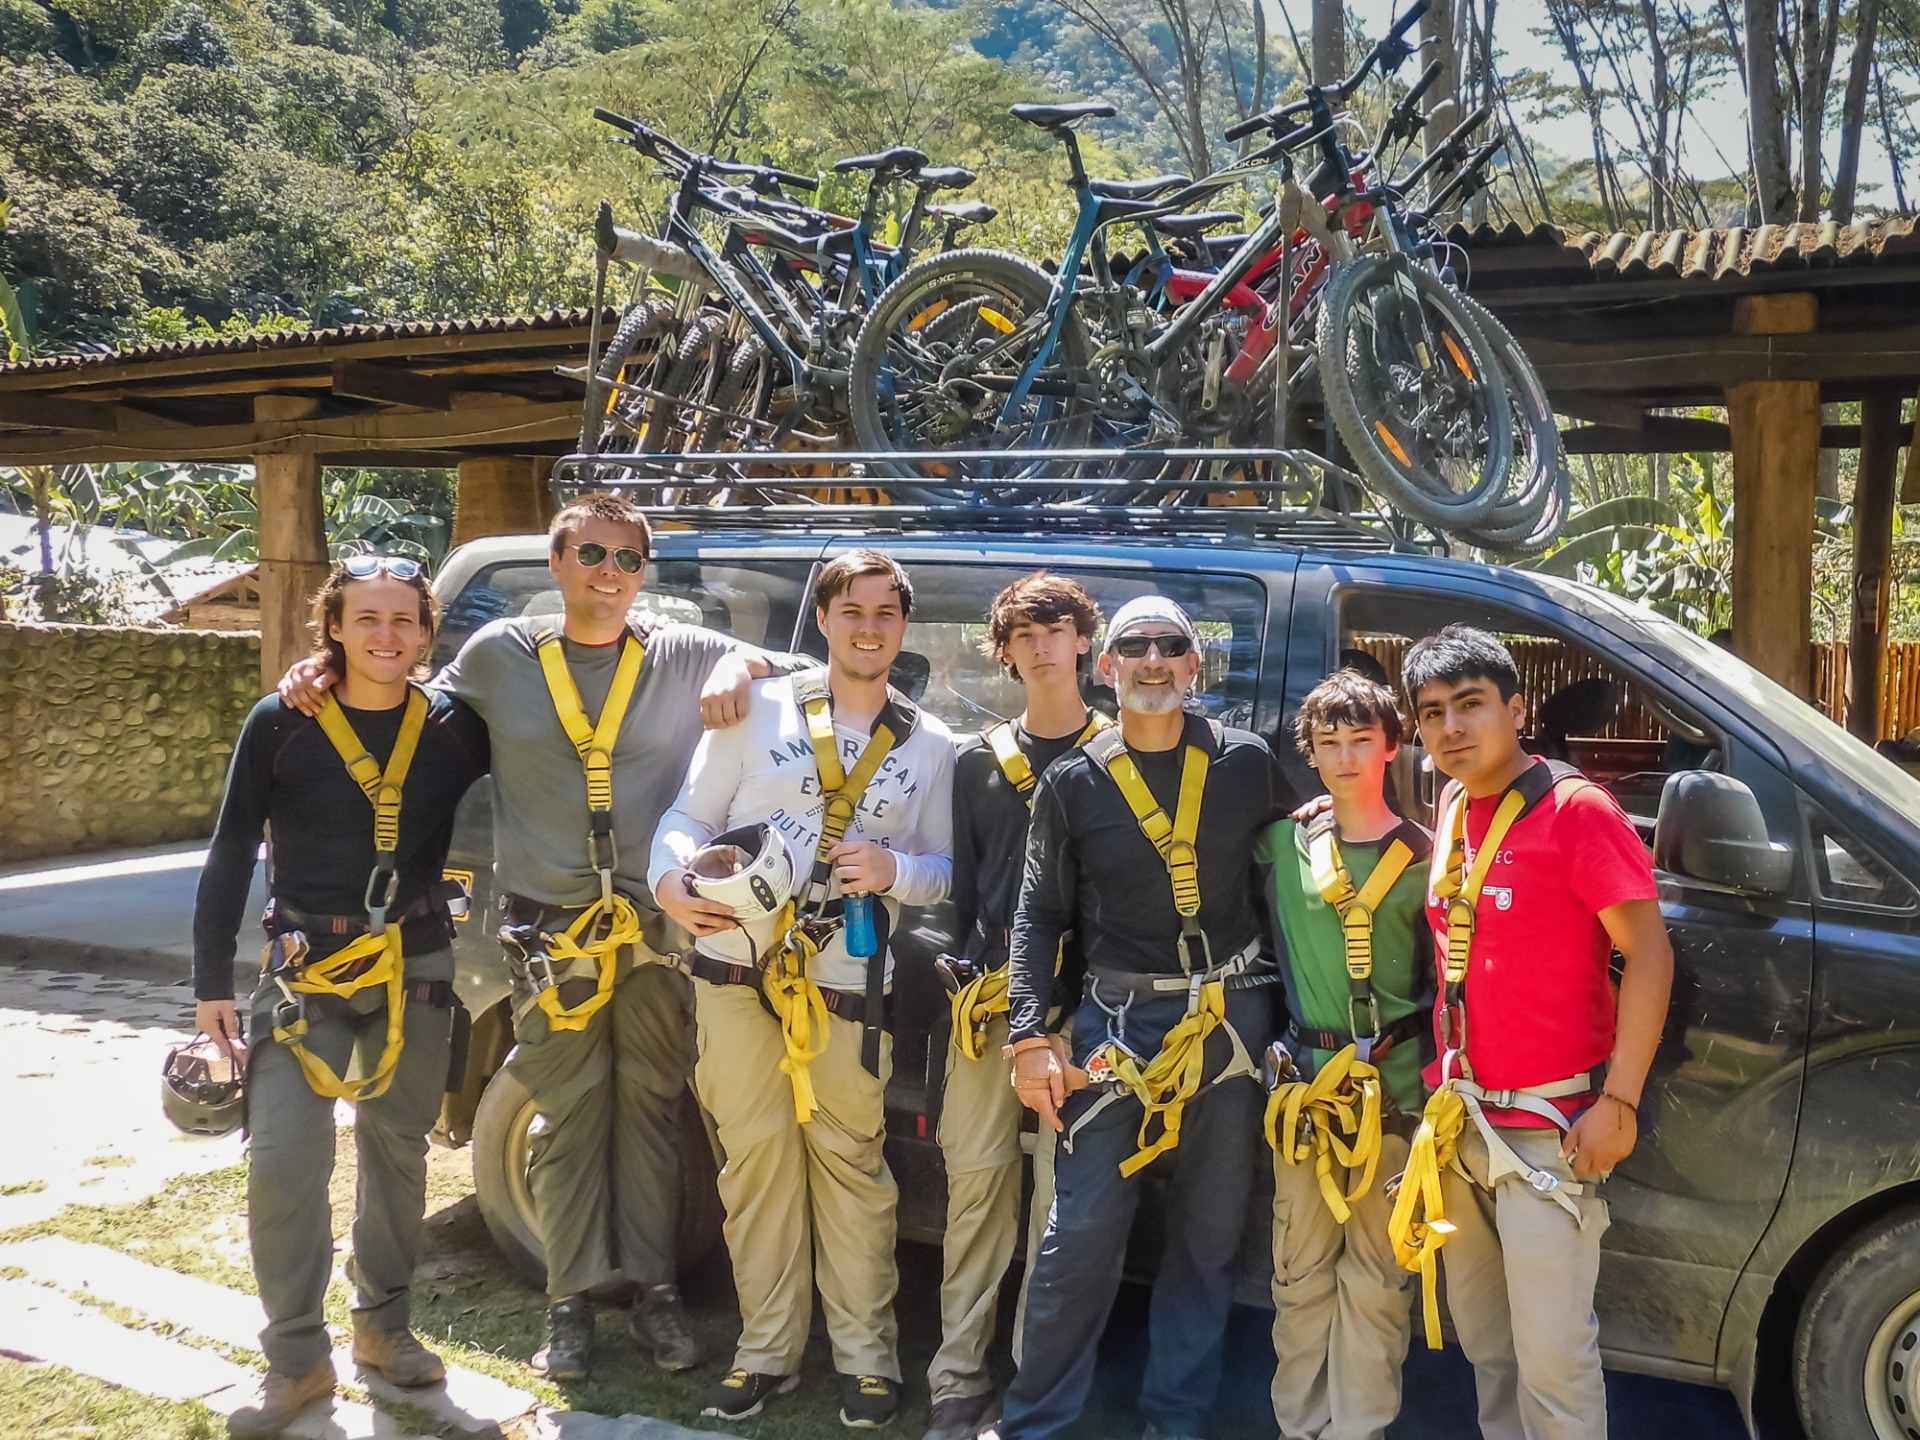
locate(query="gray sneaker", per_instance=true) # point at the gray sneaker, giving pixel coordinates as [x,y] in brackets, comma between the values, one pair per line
[569,1345]
[659,1324]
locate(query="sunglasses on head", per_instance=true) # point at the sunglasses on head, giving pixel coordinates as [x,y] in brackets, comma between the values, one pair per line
[1134,647]
[365,567]
[593,555]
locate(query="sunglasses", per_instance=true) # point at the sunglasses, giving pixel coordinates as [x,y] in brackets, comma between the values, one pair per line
[1135,647]
[365,567]
[593,555]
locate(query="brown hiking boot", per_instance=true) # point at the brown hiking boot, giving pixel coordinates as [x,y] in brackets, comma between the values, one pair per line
[282,1398]
[396,1356]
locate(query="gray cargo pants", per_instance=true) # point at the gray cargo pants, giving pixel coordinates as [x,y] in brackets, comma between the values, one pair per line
[290,1162]
[606,1143]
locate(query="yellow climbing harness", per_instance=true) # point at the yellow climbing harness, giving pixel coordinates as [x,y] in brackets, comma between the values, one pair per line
[990,993]
[1418,1226]
[1334,1116]
[987,994]
[1013,761]
[613,915]
[800,1007]
[787,980]
[1165,1084]
[337,975]
[1356,910]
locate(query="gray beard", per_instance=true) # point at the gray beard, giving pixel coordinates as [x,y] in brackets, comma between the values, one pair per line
[1154,704]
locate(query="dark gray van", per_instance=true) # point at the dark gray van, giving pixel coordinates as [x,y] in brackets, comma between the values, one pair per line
[1766,1233]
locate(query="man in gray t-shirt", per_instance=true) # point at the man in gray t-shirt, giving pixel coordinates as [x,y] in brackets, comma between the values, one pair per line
[606,1077]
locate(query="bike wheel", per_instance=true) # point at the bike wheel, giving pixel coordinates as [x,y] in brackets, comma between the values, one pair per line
[635,340]
[938,357]
[739,403]
[1540,492]
[1415,392]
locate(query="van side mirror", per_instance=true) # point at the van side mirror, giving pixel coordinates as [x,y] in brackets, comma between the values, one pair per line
[1710,828]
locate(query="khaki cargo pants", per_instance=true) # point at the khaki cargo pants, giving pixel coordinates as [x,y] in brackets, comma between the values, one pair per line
[290,1162]
[802,1201]
[980,1142]
[1519,1274]
[1342,1307]
[606,1142]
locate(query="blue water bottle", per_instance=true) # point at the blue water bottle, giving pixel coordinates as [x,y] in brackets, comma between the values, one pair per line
[862,942]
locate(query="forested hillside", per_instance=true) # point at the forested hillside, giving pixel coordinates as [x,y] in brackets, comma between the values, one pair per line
[195,163]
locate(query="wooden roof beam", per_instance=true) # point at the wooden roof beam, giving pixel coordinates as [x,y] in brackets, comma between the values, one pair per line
[51,412]
[390,385]
[499,425]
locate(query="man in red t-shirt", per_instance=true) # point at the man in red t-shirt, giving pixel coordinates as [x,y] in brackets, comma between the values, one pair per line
[1537,878]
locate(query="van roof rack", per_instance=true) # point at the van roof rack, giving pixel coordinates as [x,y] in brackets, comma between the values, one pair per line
[1293,496]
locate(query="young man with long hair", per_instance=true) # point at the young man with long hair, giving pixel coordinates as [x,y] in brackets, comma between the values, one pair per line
[594,717]
[357,806]
[1040,631]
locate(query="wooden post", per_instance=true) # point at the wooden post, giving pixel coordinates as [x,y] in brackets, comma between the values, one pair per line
[293,540]
[1776,465]
[500,495]
[1872,561]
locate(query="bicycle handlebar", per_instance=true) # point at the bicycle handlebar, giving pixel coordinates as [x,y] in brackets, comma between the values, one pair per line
[1388,54]
[664,147]
[769,172]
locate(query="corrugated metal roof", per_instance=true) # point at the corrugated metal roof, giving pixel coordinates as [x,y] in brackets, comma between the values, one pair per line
[310,339]
[1710,255]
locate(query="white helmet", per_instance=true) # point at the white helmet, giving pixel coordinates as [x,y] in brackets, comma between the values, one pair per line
[750,872]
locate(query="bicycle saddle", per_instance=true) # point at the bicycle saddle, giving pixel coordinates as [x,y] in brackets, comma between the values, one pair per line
[1187,226]
[968,212]
[1053,117]
[900,160]
[945,177]
[1137,189]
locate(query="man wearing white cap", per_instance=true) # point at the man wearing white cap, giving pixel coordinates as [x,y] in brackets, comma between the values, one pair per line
[1142,845]
[855,785]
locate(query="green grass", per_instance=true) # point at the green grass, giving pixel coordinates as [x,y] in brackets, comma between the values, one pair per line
[478,1314]
[45,1402]
[109,1162]
[29,1187]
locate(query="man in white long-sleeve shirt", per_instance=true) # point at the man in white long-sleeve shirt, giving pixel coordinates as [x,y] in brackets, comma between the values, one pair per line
[798,1098]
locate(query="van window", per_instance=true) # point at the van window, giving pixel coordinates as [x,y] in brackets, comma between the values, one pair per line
[1623,733]
[1845,870]
[942,668]
[757,601]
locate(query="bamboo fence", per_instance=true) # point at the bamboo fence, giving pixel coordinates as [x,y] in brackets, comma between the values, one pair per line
[1546,666]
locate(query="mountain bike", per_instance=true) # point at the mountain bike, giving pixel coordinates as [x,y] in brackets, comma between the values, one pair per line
[727,332]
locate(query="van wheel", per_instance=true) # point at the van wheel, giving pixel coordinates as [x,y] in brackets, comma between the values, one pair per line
[1856,1352]
[500,1160]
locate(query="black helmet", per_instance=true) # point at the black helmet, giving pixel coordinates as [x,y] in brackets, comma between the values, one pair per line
[202,1090]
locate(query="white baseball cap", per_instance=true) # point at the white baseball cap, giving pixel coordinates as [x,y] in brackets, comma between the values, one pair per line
[1149,610]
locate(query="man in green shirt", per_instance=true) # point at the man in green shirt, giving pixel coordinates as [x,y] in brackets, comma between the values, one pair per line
[1347,891]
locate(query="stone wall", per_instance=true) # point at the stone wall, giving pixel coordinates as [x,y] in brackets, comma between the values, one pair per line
[116,737]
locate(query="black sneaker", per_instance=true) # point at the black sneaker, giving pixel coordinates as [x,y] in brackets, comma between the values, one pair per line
[742,1393]
[569,1340]
[868,1401]
[658,1321]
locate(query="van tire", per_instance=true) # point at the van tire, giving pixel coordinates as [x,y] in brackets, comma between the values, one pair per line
[1856,1350]
[506,1203]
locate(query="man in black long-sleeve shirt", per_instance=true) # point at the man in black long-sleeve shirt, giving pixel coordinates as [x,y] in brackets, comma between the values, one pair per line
[290,779]
[1040,629]
[1159,969]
